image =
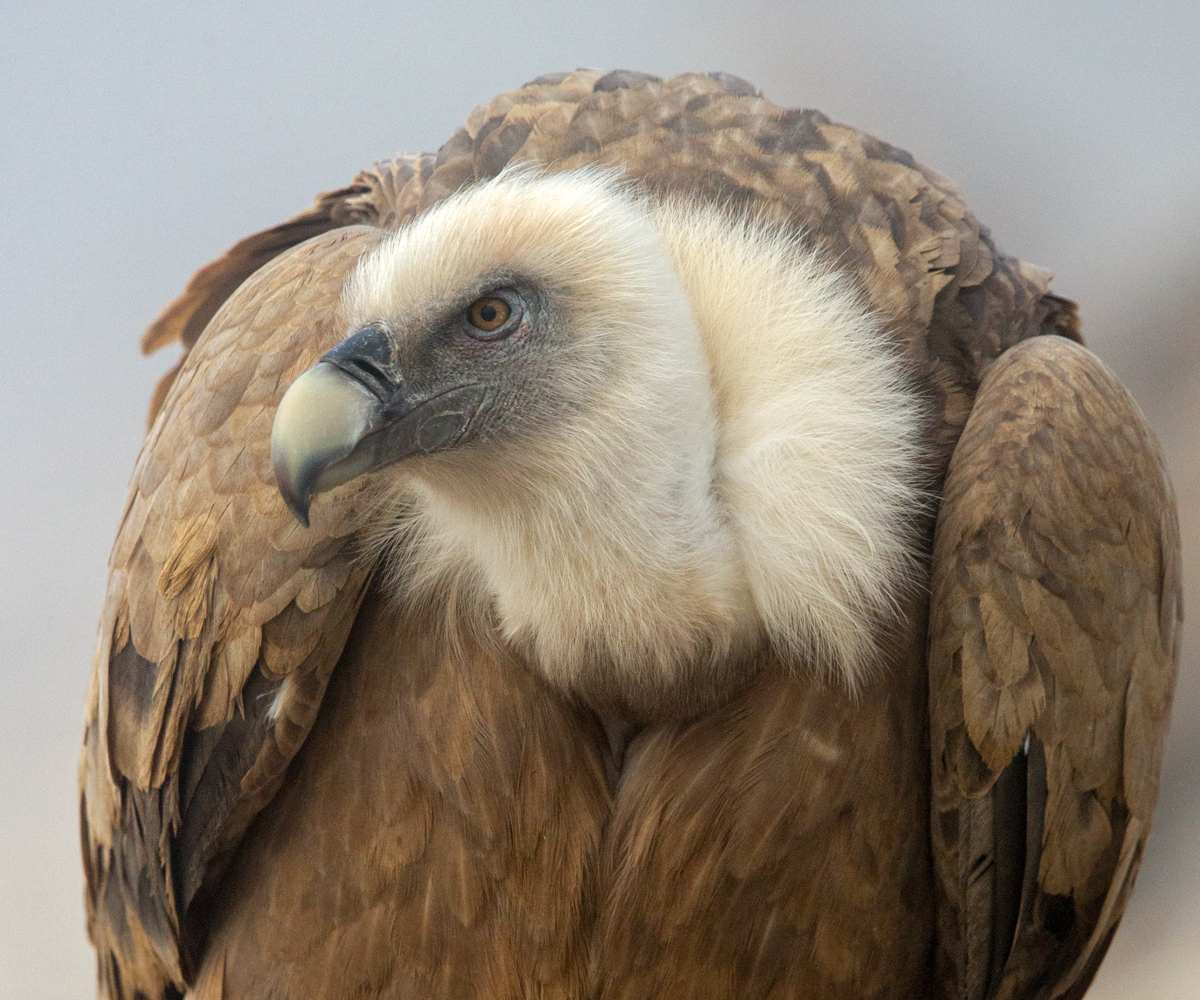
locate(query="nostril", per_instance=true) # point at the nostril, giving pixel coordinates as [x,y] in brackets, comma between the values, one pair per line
[366,356]
[365,370]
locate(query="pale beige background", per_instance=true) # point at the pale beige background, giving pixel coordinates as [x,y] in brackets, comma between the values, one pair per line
[138,140]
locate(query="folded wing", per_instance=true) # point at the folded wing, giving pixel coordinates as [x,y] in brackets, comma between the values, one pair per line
[1053,642]
[222,621]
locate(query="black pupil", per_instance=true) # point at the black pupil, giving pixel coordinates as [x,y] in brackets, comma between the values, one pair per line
[487,313]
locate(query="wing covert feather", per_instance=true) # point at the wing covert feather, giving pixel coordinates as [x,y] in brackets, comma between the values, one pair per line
[1056,605]
[222,621]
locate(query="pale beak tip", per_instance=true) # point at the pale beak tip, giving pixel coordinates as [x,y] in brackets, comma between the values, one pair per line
[300,513]
[319,421]
[296,497]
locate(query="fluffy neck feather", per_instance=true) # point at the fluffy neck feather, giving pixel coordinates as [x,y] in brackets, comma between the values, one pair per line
[746,472]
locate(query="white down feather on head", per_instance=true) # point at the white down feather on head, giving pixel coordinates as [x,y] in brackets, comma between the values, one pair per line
[741,457]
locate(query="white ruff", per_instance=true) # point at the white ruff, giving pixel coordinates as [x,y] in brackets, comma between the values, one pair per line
[741,461]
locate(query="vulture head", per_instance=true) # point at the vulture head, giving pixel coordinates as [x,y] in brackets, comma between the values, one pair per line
[640,435]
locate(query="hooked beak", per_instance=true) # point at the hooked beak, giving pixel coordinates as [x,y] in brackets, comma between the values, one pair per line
[349,415]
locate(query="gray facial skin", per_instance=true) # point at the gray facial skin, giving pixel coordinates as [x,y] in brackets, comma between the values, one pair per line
[382,395]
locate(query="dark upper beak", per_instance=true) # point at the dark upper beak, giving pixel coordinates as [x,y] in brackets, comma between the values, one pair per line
[349,414]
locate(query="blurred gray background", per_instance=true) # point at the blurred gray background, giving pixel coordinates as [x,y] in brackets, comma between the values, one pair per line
[139,140]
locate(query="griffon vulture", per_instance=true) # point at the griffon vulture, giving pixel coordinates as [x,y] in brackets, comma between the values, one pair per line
[657,547]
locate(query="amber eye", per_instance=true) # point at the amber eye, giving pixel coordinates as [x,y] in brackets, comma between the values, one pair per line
[489,313]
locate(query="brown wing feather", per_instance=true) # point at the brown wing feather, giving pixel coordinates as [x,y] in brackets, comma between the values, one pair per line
[221,624]
[1055,615]
[436,836]
[777,846]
